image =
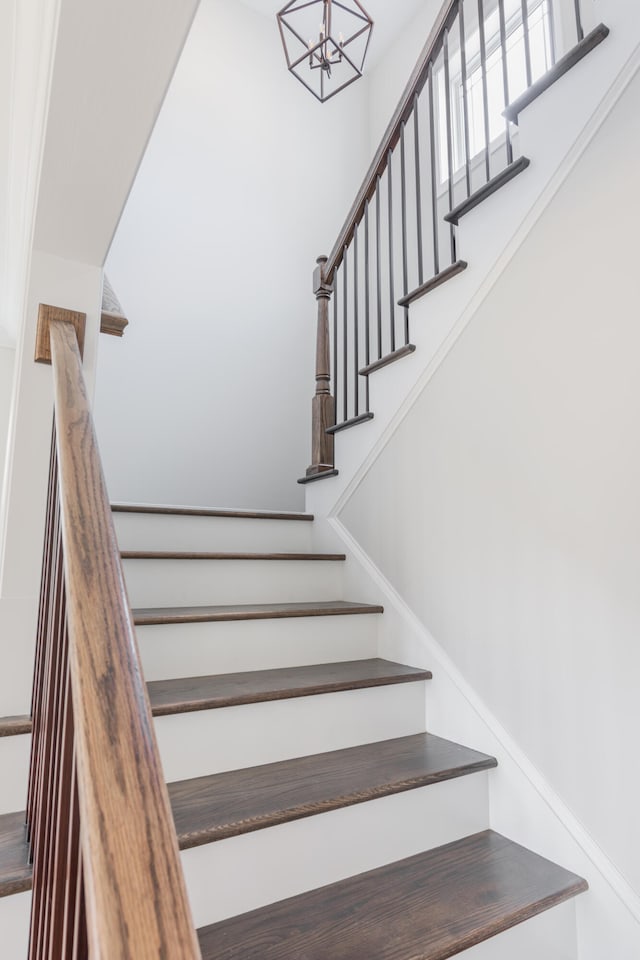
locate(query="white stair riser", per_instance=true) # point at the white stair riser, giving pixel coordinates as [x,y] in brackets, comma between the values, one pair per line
[210,741]
[551,935]
[242,873]
[200,649]
[15,913]
[14,764]
[166,583]
[138,531]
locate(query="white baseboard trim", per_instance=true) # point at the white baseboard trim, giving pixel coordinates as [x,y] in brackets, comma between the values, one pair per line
[389,596]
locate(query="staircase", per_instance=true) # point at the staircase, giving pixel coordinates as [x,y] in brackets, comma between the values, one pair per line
[316,816]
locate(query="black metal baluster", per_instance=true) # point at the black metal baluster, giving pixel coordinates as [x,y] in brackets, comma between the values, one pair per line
[367,314]
[434,175]
[416,137]
[465,96]
[579,27]
[485,95]
[356,377]
[378,269]
[527,44]
[392,304]
[345,347]
[505,77]
[447,99]
[335,339]
[405,262]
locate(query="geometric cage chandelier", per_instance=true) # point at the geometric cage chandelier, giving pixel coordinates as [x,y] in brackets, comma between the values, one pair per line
[325,43]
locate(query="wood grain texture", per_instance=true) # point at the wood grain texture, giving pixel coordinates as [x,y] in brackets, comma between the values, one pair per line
[251,611]
[14,726]
[136,899]
[428,907]
[201,555]
[227,804]
[15,869]
[46,315]
[161,510]
[113,324]
[258,686]
[562,66]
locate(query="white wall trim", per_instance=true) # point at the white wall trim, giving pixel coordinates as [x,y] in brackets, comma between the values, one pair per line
[615,91]
[390,597]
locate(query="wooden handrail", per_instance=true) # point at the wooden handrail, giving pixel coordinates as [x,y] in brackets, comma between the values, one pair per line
[391,137]
[134,891]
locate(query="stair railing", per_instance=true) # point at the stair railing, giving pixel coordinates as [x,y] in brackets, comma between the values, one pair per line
[451,142]
[107,879]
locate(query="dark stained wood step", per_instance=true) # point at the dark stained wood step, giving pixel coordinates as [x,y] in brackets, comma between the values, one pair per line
[227,804]
[14,726]
[489,188]
[15,869]
[436,281]
[566,63]
[224,805]
[322,475]
[387,359]
[251,611]
[428,907]
[201,555]
[207,512]
[258,686]
[353,422]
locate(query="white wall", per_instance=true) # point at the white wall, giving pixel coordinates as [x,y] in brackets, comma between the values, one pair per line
[505,511]
[207,398]
[7,358]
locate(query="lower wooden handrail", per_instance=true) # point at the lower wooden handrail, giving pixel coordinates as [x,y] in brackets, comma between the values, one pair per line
[107,876]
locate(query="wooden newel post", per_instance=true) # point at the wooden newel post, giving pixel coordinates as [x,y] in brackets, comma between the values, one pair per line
[323,405]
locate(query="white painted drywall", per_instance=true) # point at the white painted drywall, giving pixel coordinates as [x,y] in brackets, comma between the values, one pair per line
[505,508]
[7,359]
[246,180]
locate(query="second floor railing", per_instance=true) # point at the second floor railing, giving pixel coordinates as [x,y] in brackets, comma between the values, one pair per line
[107,879]
[452,141]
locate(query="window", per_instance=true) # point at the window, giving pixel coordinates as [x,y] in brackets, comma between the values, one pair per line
[540,43]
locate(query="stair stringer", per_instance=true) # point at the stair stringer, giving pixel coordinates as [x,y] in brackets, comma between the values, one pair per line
[523,805]
[554,132]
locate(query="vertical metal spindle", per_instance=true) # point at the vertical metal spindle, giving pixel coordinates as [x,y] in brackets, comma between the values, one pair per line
[416,139]
[434,176]
[80,939]
[403,205]
[447,99]
[505,77]
[465,97]
[579,27]
[367,315]
[73,847]
[527,41]
[378,269]
[345,330]
[392,298]
[485,95]
[356,376]
[335,337]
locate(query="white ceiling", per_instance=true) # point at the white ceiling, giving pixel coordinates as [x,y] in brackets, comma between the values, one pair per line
[389,20]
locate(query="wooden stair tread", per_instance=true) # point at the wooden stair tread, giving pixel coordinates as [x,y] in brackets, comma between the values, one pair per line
[189,694]
[512,170]
[14,726]
[251,611]
[165,510]
[427,907]
[227,804]
[203,555]
[15,869]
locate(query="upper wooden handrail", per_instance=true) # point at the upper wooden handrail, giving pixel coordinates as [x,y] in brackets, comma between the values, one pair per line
[136,899]
[392,135]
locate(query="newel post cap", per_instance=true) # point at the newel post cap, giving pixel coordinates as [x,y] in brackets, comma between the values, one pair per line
[320,287]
